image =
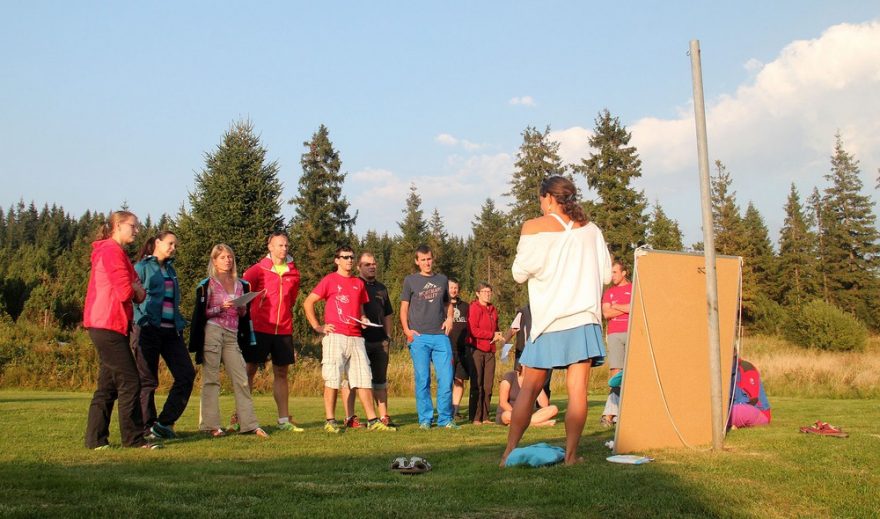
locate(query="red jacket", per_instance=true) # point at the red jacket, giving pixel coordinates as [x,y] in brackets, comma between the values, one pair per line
[272,312]
[108,298]
[483,323]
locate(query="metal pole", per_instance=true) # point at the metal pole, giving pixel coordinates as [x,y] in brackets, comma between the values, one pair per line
[709,250]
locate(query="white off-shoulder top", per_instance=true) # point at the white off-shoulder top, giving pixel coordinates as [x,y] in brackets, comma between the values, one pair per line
[566,271]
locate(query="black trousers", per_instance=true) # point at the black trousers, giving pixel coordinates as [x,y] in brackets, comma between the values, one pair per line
[151,343]
[482,380]
[117,380]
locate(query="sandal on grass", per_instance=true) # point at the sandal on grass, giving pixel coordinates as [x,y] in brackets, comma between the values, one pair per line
[414,465]
[824,429]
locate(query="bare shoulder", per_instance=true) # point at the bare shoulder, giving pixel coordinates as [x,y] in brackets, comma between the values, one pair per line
[540,224]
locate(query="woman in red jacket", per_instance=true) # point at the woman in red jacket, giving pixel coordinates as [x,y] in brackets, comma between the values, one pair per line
[483,325]
[113,285]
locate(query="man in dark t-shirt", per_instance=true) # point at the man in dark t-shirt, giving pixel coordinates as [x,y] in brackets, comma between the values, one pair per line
[462,357]
[426,317]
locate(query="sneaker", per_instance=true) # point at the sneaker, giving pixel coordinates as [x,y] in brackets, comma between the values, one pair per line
[379,426]
[452,425]
[387,421]
[258,432]
[233,422]
[105,447]
[289,426]
[353,423]
[162,431]
[152,446]
[426,426]
[332,427]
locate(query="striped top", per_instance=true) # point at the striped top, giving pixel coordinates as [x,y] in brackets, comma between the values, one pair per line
[168,301]
[217,295]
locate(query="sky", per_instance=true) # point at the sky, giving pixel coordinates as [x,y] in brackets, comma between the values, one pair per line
[109,103]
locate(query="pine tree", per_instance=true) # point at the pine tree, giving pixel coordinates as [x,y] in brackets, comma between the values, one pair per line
[538,158]
[759,263]
[491,257]
[413,232]
[610,171]
[798,281]
[438,240]
[849,253]
[236,200]
[727,221]
[663,232]
[321,223]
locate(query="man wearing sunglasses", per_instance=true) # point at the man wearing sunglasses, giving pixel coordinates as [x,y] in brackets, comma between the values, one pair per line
[342,348]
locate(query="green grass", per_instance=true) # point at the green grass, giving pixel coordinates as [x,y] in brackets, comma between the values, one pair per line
[768,472]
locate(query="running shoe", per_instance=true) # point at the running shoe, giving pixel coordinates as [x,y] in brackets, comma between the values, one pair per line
[353,423]
[379,426]
[290,426]
[332,427]
[162,431]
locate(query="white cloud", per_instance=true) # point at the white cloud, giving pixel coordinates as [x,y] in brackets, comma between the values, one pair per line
[776,129]
[457,191]
[753,65]
[522,100]
[449,140]
[445,138]
[573,143]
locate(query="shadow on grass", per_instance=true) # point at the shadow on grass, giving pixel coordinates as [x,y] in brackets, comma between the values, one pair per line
[239,476]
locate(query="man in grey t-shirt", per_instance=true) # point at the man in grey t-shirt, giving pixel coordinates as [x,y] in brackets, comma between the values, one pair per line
[426,316]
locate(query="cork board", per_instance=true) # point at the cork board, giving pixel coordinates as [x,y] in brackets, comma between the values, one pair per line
[667,355]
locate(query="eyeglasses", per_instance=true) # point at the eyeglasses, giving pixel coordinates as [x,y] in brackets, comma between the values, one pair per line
[485,291]
[348,257]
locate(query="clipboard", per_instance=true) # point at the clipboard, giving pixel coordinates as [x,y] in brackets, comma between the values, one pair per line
[245,299]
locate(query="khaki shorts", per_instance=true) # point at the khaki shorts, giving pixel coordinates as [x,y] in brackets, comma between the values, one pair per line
[616,350]
[341,356]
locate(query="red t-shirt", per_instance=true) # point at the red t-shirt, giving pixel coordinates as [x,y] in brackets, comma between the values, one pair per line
[345,297]
[620,295]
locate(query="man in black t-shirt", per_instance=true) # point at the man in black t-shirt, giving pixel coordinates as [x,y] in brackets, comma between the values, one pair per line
[462,356]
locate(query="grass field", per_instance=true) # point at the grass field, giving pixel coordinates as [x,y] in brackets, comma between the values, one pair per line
[770,472]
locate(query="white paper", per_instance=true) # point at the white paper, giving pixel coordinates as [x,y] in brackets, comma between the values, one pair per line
[515,324]
[365,322]
[505,350]
[246,298]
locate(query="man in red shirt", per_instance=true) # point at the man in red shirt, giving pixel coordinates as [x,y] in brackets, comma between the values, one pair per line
[272,315]
[343,352]
[615,308]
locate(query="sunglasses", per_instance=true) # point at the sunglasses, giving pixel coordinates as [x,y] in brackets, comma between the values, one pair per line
[348,257]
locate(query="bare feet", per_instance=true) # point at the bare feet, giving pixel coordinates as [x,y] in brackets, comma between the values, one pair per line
[548,423]
[574,460]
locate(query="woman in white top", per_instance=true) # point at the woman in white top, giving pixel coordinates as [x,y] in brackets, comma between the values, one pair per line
[565,261]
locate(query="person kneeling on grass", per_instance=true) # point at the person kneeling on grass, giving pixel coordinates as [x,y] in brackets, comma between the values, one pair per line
[508,391]
[342,348]
[220,331]
[750,405]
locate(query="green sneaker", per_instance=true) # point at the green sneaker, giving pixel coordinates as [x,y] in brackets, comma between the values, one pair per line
[379,426]
[103,448]
[426,426]
[332,427]
[287,426]
[452,425]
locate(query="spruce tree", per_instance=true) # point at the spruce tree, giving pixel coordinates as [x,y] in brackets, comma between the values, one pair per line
[759,263]
[236,200]
[849,254]
[610,171]
[413,232]
[797,282]
[321,223]
[726,217]
[537,159]
[438,240]
[491,256]
[663,232]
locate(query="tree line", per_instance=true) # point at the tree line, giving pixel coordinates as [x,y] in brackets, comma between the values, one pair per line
[827,248]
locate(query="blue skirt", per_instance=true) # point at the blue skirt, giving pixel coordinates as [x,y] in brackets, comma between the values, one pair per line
[556,350]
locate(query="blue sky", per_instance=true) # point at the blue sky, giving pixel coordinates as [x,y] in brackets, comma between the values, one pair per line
[101,103]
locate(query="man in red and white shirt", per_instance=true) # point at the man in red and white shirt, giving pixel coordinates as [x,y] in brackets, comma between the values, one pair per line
[342,348]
